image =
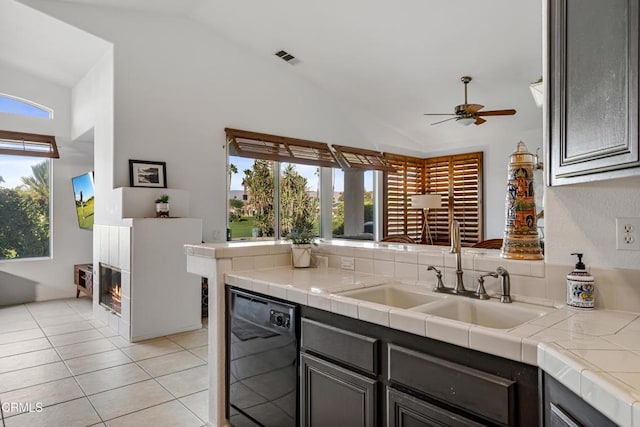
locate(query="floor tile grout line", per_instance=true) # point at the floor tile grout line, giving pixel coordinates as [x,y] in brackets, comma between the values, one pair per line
[80,342]
[34,385]
[148,407]
[34,366]
[170,373]
[54,404]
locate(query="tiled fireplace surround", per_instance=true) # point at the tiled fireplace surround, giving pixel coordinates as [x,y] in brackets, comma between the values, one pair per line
[616,289]
[112,246]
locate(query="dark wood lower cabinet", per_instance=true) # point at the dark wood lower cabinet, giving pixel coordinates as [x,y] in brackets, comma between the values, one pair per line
[404,410]
[563,408]
[355,373]
[333,396]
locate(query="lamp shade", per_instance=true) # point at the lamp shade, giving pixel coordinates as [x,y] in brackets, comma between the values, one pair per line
[426,201]
[537,93]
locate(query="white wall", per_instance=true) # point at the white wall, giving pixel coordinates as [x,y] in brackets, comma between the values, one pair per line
[92,111]
[53,278]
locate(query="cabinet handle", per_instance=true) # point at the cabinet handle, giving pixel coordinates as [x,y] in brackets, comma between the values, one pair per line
[563,416]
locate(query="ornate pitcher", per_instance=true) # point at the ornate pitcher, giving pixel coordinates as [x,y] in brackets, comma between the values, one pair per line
[521,239]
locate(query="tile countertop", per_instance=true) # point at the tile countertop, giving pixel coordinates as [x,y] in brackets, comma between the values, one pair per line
[594,353]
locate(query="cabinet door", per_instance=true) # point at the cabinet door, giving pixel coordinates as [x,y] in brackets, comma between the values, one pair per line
[334,396]
[407,411]
[563,408]
[593,89]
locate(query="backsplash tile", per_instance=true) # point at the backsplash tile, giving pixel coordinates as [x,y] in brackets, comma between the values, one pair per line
[616,289]
[431,258]
[406,257]
[385,268]
[406,271]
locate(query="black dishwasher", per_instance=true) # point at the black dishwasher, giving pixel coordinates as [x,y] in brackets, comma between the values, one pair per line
[262,360]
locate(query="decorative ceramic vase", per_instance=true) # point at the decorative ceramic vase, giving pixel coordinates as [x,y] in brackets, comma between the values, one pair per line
[521,239]
[162,210]
[301,255]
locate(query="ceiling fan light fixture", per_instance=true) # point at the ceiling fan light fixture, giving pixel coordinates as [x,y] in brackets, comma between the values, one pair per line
[466,121]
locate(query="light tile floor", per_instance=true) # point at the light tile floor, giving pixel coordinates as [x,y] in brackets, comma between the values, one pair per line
[54,355]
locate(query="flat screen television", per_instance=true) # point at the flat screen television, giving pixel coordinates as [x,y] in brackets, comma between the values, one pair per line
[83,191]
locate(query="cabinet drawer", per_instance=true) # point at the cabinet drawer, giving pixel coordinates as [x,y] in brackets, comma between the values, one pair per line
[353,349]
[478,392]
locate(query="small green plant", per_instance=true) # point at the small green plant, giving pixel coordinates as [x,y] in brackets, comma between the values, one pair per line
[301,237]
[163,199]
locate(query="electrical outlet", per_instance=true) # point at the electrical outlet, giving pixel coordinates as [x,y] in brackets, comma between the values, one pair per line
[347,263]
[627,236]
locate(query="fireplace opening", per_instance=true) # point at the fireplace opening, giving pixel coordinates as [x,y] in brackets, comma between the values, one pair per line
[110,288]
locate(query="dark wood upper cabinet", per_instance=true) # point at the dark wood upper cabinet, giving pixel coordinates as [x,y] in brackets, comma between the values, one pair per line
[593,90]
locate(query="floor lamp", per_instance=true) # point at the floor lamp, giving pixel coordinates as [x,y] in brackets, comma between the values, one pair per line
[426,202]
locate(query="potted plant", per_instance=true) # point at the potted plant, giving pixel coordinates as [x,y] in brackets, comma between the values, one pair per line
[162,206]
[301,241]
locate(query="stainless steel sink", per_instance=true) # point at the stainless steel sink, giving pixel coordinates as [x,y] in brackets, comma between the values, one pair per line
[490,314]
[397,296]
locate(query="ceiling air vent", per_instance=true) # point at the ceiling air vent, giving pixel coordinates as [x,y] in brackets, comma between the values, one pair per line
[287,57]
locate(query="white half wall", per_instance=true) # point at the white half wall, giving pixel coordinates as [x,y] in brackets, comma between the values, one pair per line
[52,278]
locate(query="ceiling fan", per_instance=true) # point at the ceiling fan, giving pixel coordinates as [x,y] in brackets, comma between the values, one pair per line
[470,113]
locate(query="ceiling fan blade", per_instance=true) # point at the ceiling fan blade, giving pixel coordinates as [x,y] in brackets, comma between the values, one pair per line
[497,113]
[479,120]
[473,108]
[439,114]
[442,121]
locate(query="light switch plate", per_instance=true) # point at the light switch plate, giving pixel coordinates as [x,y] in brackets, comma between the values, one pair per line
[347,263]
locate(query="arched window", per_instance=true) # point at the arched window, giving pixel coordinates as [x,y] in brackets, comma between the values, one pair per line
[14,105]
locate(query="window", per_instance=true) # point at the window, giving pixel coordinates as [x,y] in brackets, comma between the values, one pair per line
[25,174]
[262,207]
[457,178]
[353,204]
[251,198]
[254,195]
[14,105]
[24,207]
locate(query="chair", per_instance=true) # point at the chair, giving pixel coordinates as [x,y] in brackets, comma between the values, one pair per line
[398,238]
[489,244]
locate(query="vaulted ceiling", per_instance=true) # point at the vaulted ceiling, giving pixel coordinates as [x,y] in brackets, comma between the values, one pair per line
[395,60]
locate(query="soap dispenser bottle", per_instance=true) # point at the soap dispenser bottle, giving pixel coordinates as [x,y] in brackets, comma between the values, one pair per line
[580,286]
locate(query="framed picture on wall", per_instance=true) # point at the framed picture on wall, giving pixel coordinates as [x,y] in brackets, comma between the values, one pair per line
[144,173]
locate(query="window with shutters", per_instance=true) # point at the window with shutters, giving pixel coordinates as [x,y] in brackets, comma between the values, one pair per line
[457,178]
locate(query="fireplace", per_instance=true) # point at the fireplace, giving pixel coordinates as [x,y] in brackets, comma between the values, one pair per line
[110,288]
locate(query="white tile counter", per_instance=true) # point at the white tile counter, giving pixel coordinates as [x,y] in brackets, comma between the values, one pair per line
[595,353]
